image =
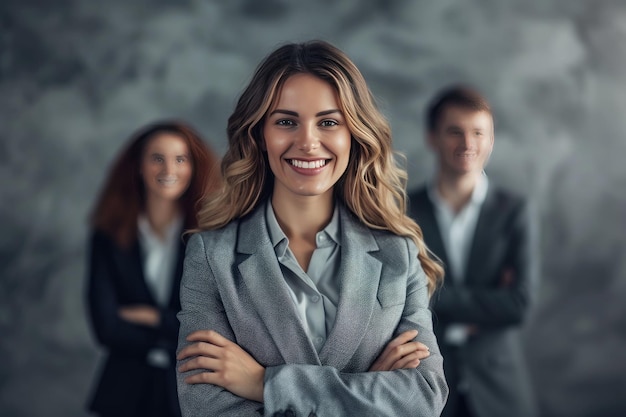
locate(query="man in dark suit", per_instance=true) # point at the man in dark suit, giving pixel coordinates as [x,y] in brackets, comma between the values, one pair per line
[482,234]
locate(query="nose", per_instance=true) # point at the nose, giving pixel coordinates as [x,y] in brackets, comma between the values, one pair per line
[308,140]
[466,140]
[169,167]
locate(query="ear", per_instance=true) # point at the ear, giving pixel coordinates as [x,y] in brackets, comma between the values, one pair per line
[493,141]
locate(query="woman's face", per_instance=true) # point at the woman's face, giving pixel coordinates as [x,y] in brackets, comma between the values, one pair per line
[306,138]
[166,167]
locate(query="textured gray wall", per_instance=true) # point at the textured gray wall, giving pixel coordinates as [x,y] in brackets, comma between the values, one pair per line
[77,77]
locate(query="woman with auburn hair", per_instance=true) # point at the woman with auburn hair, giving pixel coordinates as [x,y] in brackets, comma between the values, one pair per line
[306,288]
[149,198]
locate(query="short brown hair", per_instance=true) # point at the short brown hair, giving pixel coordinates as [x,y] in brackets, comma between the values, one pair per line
[454,96]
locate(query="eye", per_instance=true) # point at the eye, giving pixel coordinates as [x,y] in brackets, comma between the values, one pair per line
[157,158]
[329,123]
[285,122]
[181,159]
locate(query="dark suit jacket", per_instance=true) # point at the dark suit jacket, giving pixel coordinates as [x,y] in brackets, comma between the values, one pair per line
[127,381]
[494,297]
[233,284]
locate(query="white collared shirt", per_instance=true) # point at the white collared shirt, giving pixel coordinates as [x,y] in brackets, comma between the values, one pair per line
[159,257]
[457,232]
[159,267]
[315,293]
[457,229]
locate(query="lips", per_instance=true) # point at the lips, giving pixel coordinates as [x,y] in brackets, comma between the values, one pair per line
[167,181]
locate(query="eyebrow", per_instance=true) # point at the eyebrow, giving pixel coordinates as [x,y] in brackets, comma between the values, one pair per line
[473,129]
[295,114]
[186,155]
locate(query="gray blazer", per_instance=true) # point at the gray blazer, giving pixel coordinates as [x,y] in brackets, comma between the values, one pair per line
[232,283]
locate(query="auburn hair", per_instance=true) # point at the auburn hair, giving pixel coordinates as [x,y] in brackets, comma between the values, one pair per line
[123,195]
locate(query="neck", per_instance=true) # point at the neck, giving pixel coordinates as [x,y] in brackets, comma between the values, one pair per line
[161,214]
[302,218]
[457,190]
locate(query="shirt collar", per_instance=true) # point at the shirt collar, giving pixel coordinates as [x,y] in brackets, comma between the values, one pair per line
[279,239]
[147,234]
[479,194]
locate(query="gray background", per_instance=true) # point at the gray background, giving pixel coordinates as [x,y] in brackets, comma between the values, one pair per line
[76,78]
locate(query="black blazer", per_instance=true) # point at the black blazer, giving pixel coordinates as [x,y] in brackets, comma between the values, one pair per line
[494,297]
[127,382]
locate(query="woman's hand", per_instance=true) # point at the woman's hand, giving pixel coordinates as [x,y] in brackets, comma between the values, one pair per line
[140,314]
[401,353]
[223,363]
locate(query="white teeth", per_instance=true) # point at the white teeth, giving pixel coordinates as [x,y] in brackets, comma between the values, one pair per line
[308,164]
[167,181]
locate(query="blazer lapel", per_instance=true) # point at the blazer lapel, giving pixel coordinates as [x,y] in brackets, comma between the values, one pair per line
[432,235]
[269,292]
[359,274]
[483,241]
[174,300]
[130,262]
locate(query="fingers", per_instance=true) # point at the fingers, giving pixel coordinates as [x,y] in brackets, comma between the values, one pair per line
[201,362]
[413,359]
[203,378]
[207,343]
[140,314]
[197,349]
[221,362]
[402,338]
[401,352]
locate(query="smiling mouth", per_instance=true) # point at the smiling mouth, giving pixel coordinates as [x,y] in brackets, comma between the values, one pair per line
[167,181]
[318,163]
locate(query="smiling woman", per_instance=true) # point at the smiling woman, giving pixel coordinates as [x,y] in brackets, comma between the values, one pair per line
[166,168]
[306,287]
[307,140]
[135,267]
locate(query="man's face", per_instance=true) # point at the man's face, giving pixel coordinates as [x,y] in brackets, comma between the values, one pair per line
[463,141]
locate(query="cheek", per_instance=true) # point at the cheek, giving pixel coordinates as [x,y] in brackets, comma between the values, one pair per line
[275,148]
[344,146]
[148,171]
[186,173]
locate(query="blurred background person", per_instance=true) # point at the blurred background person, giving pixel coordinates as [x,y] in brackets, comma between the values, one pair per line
[149,198]
[481,232]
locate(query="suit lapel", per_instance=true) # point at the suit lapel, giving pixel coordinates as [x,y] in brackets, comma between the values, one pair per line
[174,300]
[359,275]
[269,292]
[426,219]
[483,236]
[130,262]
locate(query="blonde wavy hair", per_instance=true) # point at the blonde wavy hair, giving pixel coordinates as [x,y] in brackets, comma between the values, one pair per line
[373,186]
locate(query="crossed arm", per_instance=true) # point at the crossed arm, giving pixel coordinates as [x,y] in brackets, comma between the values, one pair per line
[128,328]
[227,365]
[218,377]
